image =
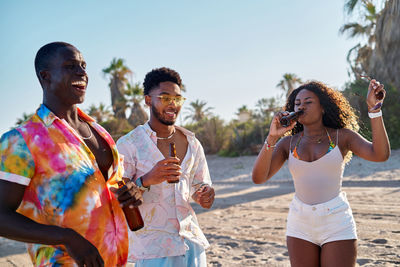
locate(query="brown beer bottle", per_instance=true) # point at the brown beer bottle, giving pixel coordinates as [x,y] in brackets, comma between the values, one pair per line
[293,116]
[379,95]
[132,215]
[172,153]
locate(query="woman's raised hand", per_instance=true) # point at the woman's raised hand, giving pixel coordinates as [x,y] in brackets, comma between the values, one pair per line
[375,96]
[276,130]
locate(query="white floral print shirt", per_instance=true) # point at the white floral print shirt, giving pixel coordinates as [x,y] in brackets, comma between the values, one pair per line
[167,214]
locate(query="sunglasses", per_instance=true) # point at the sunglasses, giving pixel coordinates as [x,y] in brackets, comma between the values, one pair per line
[168,99]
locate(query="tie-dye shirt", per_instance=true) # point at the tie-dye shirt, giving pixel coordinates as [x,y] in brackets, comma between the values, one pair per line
[65,187]
[167,214]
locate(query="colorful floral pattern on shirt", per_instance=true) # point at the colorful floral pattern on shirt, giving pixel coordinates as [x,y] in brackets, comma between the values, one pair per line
[167,214]
[65,187]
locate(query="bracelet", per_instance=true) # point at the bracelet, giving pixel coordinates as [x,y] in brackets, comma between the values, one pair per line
[268,146]
[139,184]
[375,115]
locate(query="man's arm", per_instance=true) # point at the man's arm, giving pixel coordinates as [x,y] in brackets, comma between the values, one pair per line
[18,227]
[202,192]
[164,170]
[16,169]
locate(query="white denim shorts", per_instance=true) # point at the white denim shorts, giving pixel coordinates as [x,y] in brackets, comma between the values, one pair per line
[321,223]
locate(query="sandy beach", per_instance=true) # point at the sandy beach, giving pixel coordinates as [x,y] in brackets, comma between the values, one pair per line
[246,226]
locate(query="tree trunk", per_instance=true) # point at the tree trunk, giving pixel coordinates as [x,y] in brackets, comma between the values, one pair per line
[138,115]
[118,101]
[384,63]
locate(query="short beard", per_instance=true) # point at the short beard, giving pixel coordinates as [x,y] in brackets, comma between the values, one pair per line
[158,116]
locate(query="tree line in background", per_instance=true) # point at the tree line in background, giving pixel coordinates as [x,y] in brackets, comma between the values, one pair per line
[378,58]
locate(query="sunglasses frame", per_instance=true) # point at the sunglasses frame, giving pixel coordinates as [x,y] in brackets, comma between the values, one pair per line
[168,99]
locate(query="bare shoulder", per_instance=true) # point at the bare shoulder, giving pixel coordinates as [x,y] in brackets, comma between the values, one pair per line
[285,141]
[345,131]
[346,134]
[283,144]
[347,139]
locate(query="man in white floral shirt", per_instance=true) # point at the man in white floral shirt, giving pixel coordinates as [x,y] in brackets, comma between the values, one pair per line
[171,235]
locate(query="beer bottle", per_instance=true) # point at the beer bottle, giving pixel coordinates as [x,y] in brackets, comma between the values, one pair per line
[172,153]
[132,215]
[293,116]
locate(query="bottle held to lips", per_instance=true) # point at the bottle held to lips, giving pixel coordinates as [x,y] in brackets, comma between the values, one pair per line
[132,215]
[172,153]
[293,116]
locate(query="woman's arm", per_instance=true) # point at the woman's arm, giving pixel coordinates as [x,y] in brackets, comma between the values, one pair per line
[273,153]
[379,149]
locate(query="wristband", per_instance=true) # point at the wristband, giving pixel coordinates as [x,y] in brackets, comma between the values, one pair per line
[268,146]
[375,115]
[139,183]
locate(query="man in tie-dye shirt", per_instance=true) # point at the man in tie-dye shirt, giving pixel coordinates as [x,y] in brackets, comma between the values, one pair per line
[171,235]
[57,174]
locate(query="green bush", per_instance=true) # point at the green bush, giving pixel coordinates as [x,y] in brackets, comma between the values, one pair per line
[212,134]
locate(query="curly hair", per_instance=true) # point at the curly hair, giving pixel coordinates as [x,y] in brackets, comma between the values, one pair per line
[338,112]
[157,76]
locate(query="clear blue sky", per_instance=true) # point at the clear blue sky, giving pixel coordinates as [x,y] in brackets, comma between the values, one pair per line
[229,53]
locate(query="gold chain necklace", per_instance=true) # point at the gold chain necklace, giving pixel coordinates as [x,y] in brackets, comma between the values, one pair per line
[168,137]
[318,140]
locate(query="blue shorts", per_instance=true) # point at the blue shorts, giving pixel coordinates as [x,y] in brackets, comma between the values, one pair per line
[195,257]
[321,223]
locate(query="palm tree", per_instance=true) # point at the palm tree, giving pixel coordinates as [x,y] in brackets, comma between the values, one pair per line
[198,111]
[138,115]
[380,57]
[289,83]
[384,62]
[118,74]
[360,54]
[243,109]
[266,108]
[24,118]
[100,113]
[243,113]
